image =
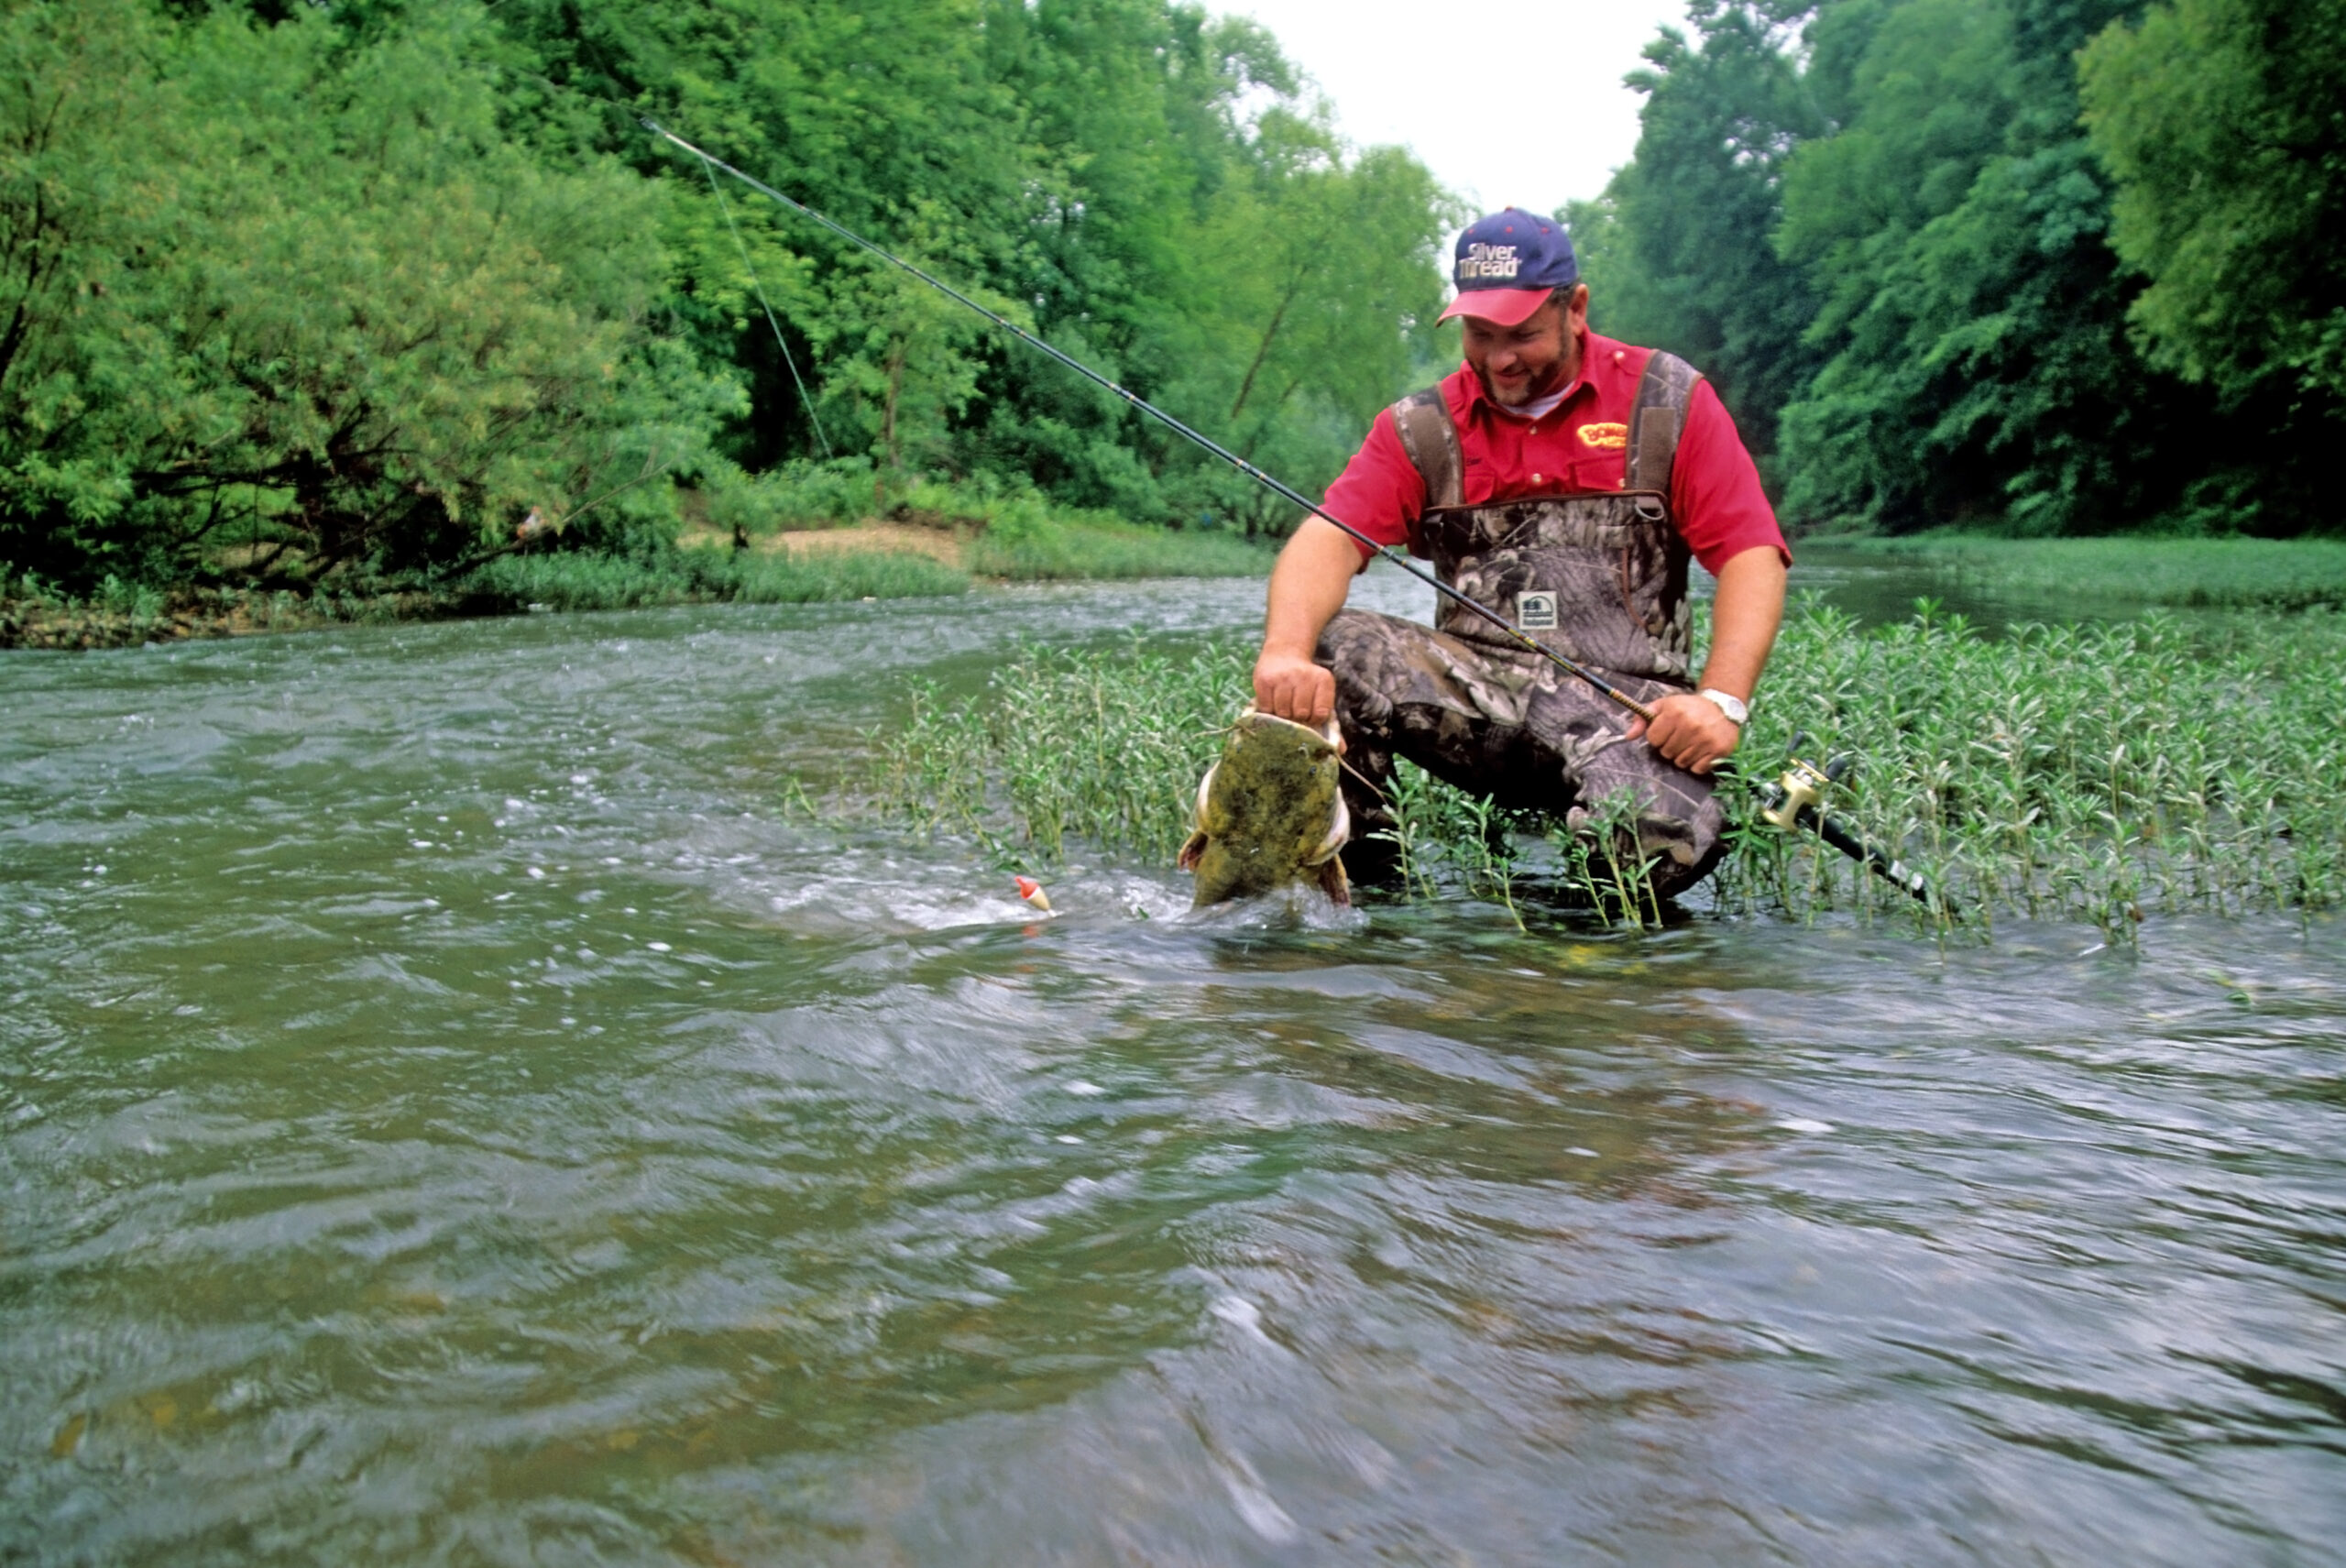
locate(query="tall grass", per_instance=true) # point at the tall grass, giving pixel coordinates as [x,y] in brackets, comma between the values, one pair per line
[2103,772]
[2100,772]
[2294,574]
[1105,748]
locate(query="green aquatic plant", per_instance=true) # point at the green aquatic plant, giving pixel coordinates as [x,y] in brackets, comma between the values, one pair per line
[1442,835]
[2081,772]
[1105,748]
[2102,773]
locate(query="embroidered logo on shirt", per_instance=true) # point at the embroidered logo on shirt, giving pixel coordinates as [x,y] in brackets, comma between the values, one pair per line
[1536,612]
[1604,437]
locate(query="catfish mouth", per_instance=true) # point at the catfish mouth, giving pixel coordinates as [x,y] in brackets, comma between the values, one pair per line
[1326,737]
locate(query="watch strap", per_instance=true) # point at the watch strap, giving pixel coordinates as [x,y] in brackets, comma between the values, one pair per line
[1736,709]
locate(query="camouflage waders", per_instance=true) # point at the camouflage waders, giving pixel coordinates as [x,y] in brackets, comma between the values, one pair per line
[1599,576]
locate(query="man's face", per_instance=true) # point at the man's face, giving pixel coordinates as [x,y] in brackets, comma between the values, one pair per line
[1536,356]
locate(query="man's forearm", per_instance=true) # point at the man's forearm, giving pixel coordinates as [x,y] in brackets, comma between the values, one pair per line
[1307,587]
[1743,617]
[1314,572]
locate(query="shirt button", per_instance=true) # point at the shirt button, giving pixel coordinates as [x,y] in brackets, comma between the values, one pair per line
[1619,356]
[1538,477]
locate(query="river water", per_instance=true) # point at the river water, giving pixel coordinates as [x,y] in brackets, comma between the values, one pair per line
[451,1112]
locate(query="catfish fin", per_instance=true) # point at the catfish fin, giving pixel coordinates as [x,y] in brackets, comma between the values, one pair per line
[1334,882]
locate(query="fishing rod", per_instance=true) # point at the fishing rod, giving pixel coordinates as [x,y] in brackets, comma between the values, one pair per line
[1514,633]
[1797,800]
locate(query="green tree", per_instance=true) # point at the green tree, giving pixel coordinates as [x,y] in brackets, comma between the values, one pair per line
[1972,313]
[1676,251]
[304,290]
[2224,123]
[325,306]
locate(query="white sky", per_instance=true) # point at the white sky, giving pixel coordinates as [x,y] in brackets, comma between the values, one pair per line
[1525,109]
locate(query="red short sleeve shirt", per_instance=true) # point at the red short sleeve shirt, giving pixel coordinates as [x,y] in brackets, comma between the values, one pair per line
[1581,444]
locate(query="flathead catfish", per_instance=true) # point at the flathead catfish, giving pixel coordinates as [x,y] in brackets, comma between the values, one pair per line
[1270,814]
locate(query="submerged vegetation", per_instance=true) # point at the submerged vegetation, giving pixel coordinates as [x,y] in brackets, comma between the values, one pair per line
[2104,773]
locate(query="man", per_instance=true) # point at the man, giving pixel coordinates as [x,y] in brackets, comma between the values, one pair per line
[1561,479]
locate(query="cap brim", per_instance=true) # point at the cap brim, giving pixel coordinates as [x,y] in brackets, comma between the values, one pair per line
[1500,307]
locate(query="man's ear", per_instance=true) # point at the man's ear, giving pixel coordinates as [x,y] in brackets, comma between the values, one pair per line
[1576,302]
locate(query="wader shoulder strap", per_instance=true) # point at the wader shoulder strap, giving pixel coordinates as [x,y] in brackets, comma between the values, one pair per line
[1422,420]
[1658,420]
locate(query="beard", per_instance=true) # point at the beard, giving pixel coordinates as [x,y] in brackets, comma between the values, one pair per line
[1529,389]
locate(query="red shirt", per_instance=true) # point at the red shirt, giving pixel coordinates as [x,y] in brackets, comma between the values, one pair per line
[1582,445]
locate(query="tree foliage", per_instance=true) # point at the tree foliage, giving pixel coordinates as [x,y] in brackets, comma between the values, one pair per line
[293,293]
[1883,223]
[273,287]
[1681,249]
[2225,124]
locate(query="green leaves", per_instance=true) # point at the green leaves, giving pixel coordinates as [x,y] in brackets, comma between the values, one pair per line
[2221,121]
[344,296]
[335,313]
[1890,241]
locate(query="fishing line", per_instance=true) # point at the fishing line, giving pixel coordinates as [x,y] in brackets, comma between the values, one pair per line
[1286,493]
[1796,801]
[709,167]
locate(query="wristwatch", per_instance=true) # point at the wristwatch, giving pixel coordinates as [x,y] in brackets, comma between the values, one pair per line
[1733,706]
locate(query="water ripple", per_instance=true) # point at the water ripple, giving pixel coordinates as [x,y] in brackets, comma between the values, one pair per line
[451,1110]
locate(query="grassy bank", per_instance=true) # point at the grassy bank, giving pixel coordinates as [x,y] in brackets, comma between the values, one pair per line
[2246,573]
[34,614]
[573,581]
[2106,773]
[1013,537]
[1103,549]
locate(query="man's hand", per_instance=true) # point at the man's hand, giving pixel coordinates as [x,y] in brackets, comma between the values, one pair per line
[1307,587]
[1691,731]
[1688,729]
[1294,687]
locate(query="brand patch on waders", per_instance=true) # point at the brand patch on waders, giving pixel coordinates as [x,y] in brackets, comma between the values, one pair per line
[1536,612]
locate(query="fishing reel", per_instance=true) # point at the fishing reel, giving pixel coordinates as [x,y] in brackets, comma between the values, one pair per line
[1803,786]
[1796,800]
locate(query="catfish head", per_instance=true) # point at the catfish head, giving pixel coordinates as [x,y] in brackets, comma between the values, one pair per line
[1270,814]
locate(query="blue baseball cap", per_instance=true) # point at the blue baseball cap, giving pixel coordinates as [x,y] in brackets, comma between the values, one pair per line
[1508,264]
